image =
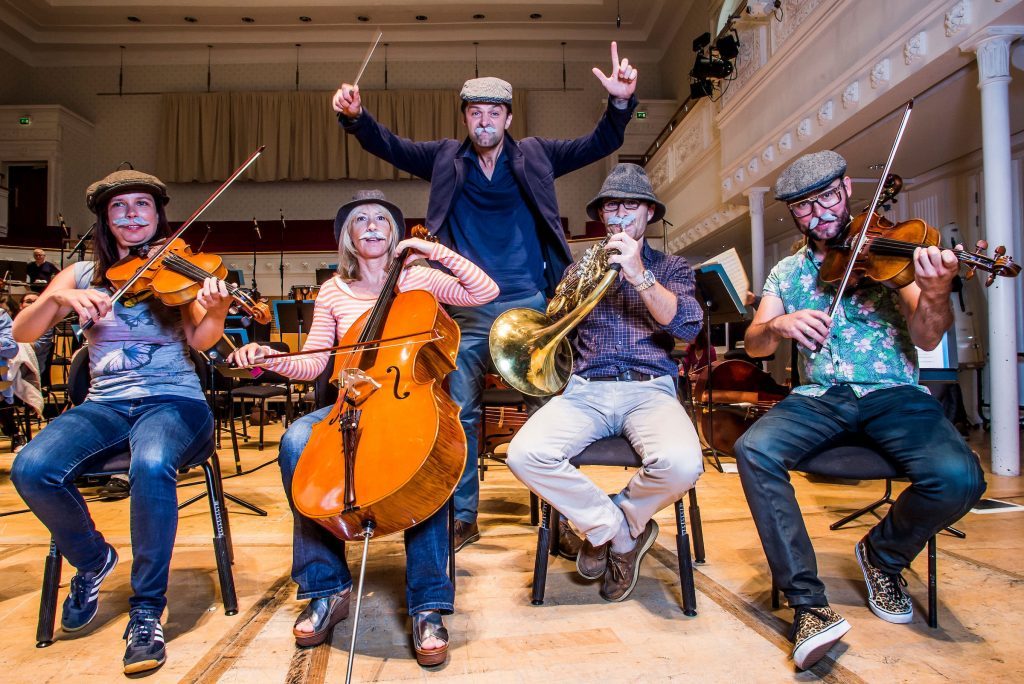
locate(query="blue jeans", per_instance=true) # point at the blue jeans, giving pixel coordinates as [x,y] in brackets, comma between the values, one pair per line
[467,387]
[163,434]
[909,428]
[318,557]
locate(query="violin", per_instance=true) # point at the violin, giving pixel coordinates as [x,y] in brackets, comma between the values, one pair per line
[392,449]
[887,256]
[176,277]
[741,392]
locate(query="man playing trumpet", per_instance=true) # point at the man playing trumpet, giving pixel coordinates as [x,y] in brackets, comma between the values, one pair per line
[623,383]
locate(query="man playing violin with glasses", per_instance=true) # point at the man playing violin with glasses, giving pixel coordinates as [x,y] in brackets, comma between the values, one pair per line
[623,383]
[864,380]
[144,394]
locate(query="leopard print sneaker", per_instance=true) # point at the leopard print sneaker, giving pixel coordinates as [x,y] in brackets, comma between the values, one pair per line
[815,630]
[886,597]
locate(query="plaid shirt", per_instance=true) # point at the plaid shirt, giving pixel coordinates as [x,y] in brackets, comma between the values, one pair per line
[621,335]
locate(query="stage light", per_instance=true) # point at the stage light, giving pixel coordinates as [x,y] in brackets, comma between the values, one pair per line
[710,67]
[701,42]
[702,88]
[728,47]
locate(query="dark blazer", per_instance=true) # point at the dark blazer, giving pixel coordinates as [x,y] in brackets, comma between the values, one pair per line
[536,162]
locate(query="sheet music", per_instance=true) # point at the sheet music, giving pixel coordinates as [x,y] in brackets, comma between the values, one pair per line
[730,261]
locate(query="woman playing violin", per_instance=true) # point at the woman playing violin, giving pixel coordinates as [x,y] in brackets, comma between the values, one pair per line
[863,380]
[367,230]
[144,395]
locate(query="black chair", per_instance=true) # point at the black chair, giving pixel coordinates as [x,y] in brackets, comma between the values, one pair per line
[500,399]
[617,451]
[268,385]
[78,388]
[857,459]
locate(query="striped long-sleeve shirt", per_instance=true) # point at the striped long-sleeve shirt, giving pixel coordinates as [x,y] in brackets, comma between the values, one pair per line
[337,306]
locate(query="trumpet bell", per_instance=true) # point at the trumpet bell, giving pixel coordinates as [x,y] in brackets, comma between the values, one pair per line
[530,352]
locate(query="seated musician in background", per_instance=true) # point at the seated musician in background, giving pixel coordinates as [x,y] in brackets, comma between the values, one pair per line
[39,271]
[144,395]
[863,380]
[8,412]
[368,230]
[623,383]
[698,356]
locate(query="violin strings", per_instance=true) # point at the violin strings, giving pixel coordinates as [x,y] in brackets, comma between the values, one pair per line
[190,270]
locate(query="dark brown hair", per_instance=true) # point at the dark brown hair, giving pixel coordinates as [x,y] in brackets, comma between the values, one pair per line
[104,246]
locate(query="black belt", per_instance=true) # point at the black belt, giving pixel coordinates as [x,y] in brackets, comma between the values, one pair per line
[628,376]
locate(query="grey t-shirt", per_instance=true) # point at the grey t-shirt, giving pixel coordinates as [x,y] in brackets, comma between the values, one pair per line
[138,351]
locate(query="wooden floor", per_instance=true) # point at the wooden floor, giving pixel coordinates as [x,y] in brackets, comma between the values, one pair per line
[497,635]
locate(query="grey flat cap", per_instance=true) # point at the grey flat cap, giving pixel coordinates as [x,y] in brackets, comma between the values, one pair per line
[368,197]
[488,90]
[809,173]
[626,181]
[122,182]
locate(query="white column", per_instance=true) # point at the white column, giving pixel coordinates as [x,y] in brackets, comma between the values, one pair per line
[755,197]
[992,47]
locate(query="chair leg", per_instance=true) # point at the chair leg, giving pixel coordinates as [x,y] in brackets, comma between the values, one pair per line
[554,524]
[540,562]
[697,527]
[48,598]
[685,562]
[451,541]
[933,588]
[263,419]
[534,510]
[775,595]
[219,488]
[234,434]
[218,514]
[886,499]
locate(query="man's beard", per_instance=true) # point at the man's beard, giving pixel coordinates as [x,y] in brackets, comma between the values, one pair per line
[837,224]
[479,131]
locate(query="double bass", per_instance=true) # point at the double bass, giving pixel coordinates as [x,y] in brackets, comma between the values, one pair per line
[740,394]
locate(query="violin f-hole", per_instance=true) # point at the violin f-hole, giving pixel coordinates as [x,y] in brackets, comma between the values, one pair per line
[398,379]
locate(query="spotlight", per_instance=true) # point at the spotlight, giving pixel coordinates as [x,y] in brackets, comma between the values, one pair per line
[701,42]
[701,88]
[728,47]
[710,67]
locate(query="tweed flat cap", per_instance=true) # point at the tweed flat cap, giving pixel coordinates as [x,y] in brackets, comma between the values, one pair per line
[626,181]
[368,197]
[809,173]
[489,90]
[120,182]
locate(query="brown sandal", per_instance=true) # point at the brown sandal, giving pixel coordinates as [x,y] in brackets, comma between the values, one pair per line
[324,613]
[425,625]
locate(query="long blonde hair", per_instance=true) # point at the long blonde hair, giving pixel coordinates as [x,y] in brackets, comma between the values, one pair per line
[348,264]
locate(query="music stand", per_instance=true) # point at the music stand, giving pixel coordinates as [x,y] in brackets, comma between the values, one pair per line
[323,275]
[293,316]
[722,304]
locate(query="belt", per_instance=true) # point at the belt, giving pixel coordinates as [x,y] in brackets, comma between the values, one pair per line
[628,376]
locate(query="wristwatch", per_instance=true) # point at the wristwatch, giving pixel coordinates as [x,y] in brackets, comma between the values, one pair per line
[647,281]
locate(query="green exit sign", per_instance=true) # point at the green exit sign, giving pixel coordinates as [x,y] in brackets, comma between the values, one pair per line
[641,115]
[25,120]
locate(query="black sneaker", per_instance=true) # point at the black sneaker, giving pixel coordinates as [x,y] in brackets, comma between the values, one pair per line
[83,600]
[815,630]
[145,648]
[886,597]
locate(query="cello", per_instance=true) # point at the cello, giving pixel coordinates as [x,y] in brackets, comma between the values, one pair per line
[742,393]
[392,449]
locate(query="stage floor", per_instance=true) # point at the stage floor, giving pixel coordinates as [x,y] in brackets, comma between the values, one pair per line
[497,635]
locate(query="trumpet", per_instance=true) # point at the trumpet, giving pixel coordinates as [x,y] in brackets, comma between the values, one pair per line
[529,348]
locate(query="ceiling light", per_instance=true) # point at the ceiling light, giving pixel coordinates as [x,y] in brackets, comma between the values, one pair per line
[877,167]
[479,16]
[191,20]
[305,19]
[421,17]
[536,15]
[362,18]
[135,20]
[248,20]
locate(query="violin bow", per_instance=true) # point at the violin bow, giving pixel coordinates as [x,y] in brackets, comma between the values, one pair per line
[862,237]
[121,291]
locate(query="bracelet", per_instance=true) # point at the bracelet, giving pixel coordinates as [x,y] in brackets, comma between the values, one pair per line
[647,282]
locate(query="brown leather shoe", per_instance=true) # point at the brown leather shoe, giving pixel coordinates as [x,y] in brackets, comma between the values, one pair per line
[569,542]
[465,533]
[592,561]
[624,568]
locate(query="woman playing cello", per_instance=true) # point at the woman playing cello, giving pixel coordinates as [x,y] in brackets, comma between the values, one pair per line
[144,394]
[367,230]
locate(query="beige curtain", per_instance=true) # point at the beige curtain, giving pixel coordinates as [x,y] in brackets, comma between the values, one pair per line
[204,136]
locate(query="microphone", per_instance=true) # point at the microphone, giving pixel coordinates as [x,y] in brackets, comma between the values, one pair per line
[282,218]
[208,229]
[256,226]
[63,226]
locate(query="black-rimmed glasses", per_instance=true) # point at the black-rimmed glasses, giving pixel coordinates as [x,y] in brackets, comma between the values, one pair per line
[826,199]
[613,205]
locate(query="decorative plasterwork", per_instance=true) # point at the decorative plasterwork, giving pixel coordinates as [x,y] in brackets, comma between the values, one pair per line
[915,48]
[881,73]
[825,113]
[684,148]
[957,17]
[768,156]
[705,225]
[786,142]
[753,55]
[804,128]
[994,59]
[753,165]
[851,96]
[794,12]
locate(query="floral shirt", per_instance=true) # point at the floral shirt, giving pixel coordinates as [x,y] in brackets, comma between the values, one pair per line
[869,347]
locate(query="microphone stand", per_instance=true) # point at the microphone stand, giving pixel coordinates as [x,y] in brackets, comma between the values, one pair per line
[280,267]
[80,247]
[64,234]
[255,287]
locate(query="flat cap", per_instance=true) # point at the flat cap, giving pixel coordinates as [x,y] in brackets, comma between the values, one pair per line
[120,182]
[489,90]
[626,181]
[809,173]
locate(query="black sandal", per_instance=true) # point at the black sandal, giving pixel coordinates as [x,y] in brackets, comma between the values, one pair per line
[324,613]
[425,625]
